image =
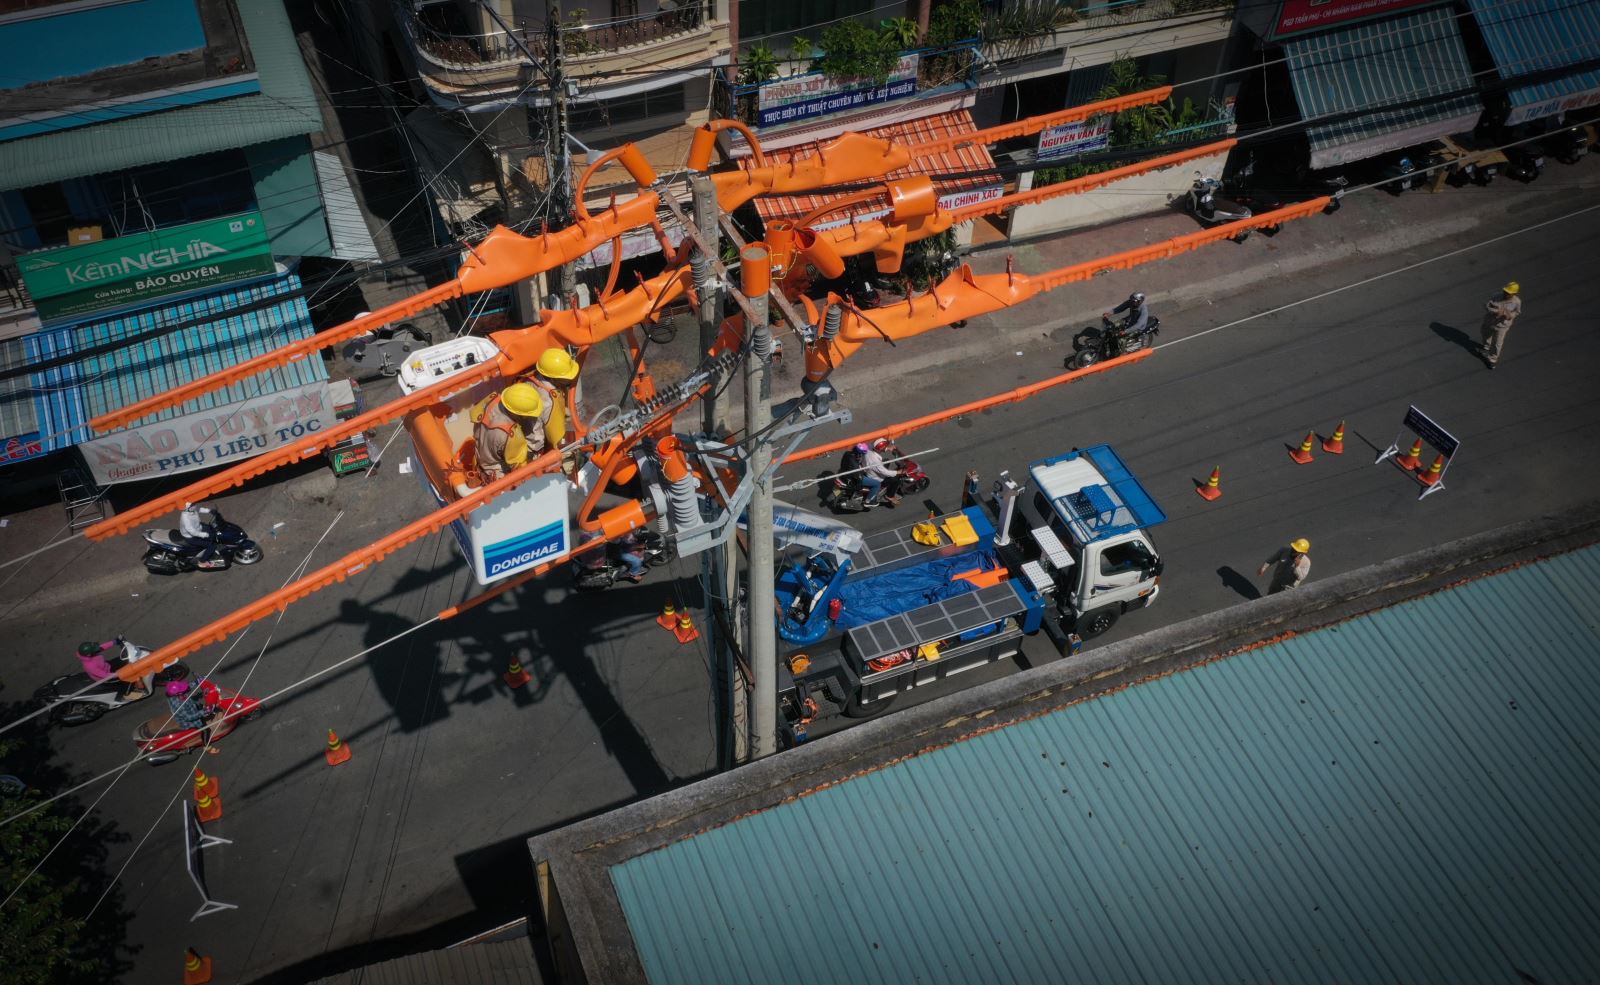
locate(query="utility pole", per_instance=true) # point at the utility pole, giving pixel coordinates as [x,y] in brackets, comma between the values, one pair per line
[756,273]
[721,564]
[560,159]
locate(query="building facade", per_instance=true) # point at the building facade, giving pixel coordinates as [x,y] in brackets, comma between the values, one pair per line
[159,185]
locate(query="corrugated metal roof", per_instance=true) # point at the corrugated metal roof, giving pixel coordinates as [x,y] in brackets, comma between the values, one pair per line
[285,107]
[1527,36]
[938,126]
[347,223]
[1409,61]
[1406,796]
[489,963]
[58,403]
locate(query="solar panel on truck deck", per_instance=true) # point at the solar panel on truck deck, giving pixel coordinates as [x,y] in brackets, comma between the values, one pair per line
[938,621]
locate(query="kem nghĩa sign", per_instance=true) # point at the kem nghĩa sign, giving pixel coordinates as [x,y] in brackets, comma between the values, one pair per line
[114,273]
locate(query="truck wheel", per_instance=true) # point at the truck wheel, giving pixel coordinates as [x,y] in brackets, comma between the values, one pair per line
[856,708]
[1096,622]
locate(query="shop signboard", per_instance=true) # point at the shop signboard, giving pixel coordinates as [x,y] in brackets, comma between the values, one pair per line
[1550,107]
[114,273]
[211,437]
[21,446]
[949,202]
[813,95]
[1302,16]
[1074,138]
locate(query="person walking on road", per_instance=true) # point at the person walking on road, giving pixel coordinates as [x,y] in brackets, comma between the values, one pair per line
[1291,566]
[1498,315]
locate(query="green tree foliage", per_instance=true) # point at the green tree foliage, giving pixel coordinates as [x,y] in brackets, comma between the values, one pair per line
[901,32]
[955,20]
[757,65]
[852,50]
[43,937]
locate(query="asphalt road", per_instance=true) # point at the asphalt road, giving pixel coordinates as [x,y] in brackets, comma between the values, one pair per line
[418,841]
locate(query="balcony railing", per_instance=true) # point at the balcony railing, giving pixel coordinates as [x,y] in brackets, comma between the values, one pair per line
[578,38]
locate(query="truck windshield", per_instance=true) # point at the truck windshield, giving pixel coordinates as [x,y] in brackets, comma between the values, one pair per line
[1122,558]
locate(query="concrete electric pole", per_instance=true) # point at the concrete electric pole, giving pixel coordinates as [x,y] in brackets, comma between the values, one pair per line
[560,161]
[762,651]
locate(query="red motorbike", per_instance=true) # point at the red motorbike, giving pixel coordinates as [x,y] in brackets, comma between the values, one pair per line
[162,739]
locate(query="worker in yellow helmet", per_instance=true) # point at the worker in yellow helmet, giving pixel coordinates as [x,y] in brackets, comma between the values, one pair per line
[1499,313]
[1292,566]
[555,374]
[509,428]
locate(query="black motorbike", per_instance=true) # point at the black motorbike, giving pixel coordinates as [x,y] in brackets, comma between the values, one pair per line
[1094,345]
[1398,174]
[1525,163]
[1570,145]
[169,552]
[600,569]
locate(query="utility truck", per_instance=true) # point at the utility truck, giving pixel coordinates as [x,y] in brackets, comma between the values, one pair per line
[1066,551]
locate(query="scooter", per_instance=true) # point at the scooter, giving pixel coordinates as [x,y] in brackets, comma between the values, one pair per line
[600,569]
[162,740]
[169,552]
[1399,175]
[1205,203]
[68,707]
[1094,345]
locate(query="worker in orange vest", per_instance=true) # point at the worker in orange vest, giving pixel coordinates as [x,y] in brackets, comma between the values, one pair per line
[509,428]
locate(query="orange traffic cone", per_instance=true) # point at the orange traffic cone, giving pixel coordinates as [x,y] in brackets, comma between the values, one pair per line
[204,785]
[1211,489]
[1431,476]
[207,807]
[685,631]
[515,676]
[668,620]
[1411,459]
[1335,444]
[196,970]
[1303,453]
[337,751]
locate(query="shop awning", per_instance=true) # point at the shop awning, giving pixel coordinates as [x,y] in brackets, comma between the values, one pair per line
[1539,38]
[1383,85]
[49,410]
[952,194]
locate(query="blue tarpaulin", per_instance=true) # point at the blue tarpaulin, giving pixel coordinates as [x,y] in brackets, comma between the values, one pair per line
[893,592]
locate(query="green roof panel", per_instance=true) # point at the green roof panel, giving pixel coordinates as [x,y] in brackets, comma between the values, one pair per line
[1405,796]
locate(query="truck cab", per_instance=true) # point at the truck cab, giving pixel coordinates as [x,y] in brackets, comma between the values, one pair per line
[1089,519]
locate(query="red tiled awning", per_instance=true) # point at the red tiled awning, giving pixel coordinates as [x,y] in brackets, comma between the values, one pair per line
[964,191]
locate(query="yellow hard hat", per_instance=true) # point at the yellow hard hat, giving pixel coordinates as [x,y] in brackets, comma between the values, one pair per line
[1512,288]
[1301,546]
[558,364]
[522,399]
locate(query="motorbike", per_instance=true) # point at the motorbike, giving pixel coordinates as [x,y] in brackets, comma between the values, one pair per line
[847,491]
[1570,145]
[1399,175]
[169,552]
[68,707]
[1093,345]
[386,349]
[1526,163]
[162,740]
[599,570]
[1205,203]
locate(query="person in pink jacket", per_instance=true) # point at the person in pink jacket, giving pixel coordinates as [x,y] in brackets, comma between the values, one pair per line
[97,660]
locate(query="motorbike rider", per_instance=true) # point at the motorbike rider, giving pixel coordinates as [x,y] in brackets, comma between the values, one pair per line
[188,704]
[1138,314]
[876,474]
[101,660]
[509,428]
[629,550]
[198,526]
